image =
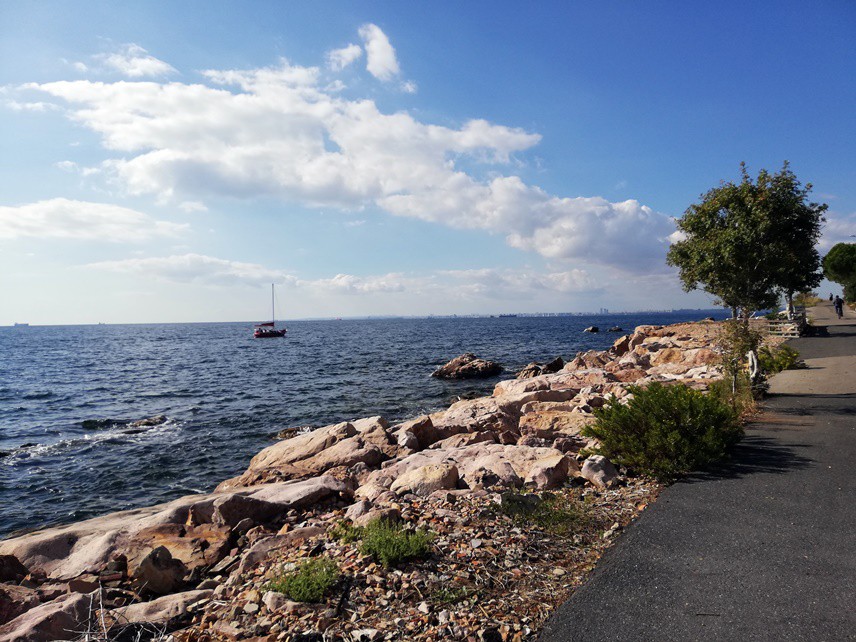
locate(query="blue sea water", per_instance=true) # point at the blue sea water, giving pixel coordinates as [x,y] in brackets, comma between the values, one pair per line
[225,396]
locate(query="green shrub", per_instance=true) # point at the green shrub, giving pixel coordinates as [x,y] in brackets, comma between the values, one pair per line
[778,359]
[309,582]
[390,544]
[346,533]
[665,431]
[740,394]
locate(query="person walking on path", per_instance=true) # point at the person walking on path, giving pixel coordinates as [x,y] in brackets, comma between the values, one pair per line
[838,304]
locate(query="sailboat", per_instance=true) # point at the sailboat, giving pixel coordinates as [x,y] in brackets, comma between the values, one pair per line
[268,329]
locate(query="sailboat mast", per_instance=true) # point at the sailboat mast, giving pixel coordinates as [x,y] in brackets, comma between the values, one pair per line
[272,311]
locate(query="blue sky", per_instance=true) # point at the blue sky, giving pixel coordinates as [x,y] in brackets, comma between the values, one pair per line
[167,161]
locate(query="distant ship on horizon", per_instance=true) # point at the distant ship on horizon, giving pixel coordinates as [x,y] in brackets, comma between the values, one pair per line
[20,325]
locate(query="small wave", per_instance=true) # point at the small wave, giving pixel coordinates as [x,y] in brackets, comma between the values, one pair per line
[115,435]
[30,396]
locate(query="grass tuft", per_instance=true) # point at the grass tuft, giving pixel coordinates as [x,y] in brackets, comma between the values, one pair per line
[309,582]
[390,544]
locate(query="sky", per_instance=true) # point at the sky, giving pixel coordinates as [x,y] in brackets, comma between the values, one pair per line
[167,162]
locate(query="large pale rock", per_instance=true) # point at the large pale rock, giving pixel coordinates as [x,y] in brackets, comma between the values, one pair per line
[425,430]
[302,447]
[65,552]
[467,366]
[162,611]
[465,439]
[370,491]
[551,472]
[369,424]
[61,619]
[425,480]
[552,424]
[193,546]
[507,464]
[347,452]
[599,471]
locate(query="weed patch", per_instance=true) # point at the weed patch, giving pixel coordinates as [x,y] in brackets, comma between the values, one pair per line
[390,544]
[309,582]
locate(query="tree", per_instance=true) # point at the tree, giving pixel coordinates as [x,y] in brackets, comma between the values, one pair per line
[796,227]
[839,265]
[745,242]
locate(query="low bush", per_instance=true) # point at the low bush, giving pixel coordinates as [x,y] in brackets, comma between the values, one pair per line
[309,582]
[665,431]
[389,543]
[777,359]
[555,513]
[346,533]
[739,394]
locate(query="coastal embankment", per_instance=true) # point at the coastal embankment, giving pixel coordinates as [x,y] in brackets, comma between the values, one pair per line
[759,548]
[202,566]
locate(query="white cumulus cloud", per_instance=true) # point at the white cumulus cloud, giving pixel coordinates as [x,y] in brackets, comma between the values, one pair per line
[69,219]
[135,62]
[282,131]
[381,60]
[338,59]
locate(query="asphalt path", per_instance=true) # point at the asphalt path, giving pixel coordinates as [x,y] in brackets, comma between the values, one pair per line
[761,548]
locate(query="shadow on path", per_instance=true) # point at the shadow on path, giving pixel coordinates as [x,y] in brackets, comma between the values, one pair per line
[755,454]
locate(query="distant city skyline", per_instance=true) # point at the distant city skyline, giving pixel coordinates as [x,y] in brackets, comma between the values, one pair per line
[166,162]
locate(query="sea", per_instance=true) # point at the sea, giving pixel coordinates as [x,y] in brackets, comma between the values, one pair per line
[70,394]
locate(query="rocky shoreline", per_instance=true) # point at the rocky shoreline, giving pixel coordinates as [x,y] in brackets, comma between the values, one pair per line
[198,568]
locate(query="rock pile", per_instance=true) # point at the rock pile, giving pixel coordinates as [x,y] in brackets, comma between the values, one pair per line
[201,565]
[467,366]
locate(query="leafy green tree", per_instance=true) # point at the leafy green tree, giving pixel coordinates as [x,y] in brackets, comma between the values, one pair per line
[745,242]
[795,230]
[839,265]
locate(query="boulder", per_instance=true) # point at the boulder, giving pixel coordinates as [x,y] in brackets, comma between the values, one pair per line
[592,328]
[15,600]
[551,424]
[615,328]
[621,346]
[530,370]
[302,447]
[506,464]
[194,546]
[62,619]
[425,480]
[536,369]
[599,471]
[167,610]
[467,366]
[11,569]
[354,511]
[158,572]
[346,452]
[389,514]
[551,472]
[465,439]
[425,431]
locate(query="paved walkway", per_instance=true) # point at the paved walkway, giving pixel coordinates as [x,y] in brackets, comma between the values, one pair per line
[762,548]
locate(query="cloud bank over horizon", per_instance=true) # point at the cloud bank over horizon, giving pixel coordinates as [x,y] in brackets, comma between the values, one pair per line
[287,131]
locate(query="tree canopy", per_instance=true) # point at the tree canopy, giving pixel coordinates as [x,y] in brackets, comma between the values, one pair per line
[747,242]
[839,265]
